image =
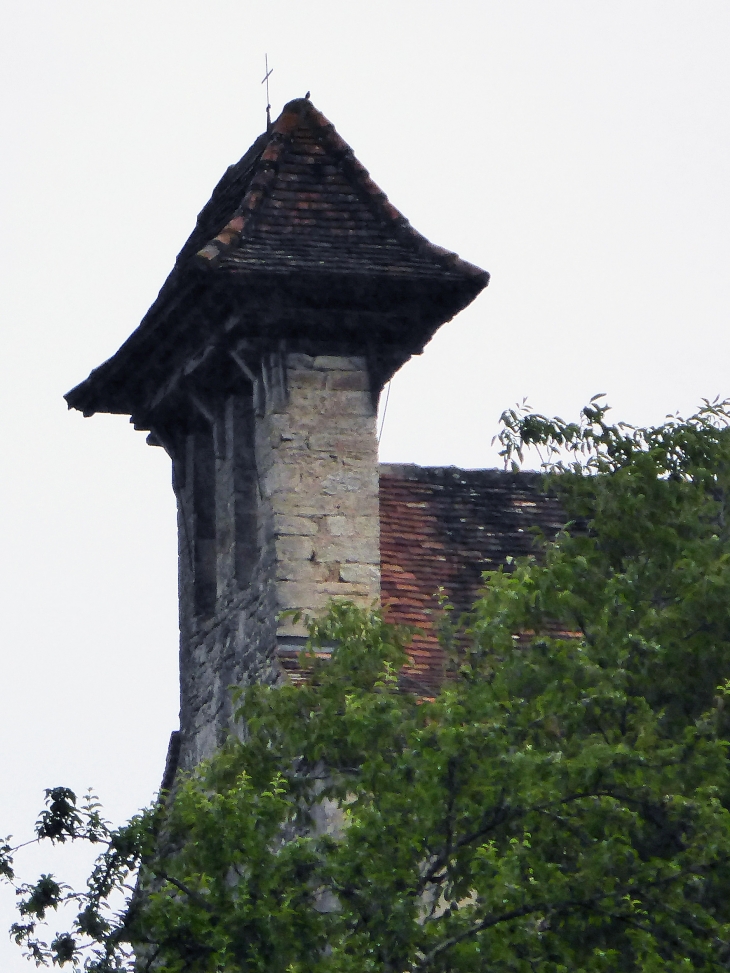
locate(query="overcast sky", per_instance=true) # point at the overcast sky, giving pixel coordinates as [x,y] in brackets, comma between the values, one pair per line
[577,150]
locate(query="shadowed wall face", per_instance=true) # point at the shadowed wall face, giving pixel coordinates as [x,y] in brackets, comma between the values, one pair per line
[278,512]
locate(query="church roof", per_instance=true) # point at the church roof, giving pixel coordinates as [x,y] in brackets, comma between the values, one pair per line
[297,219]
[440,528]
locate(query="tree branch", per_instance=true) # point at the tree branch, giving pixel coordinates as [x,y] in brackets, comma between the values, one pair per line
[198,899]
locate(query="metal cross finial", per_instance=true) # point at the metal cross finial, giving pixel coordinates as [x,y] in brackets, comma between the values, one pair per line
[266,82]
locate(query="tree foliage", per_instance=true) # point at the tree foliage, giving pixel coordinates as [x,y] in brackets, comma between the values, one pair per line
[562,803]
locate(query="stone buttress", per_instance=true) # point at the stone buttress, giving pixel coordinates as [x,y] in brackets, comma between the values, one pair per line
[258,368]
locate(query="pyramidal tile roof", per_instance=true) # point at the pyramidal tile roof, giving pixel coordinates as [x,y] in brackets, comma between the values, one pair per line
[297,242]
[309,205]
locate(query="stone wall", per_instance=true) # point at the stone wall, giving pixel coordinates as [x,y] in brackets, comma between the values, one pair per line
[277,490]
[317,456]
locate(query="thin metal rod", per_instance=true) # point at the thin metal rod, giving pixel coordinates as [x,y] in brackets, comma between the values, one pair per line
[266,82]
[385,409]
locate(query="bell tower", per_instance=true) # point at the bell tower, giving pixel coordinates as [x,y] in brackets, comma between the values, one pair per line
[258,369]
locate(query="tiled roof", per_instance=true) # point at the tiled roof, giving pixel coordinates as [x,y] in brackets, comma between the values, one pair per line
[441,527]
[297,243]
[310,205]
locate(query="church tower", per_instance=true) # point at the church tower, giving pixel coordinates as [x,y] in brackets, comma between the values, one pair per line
[258,368]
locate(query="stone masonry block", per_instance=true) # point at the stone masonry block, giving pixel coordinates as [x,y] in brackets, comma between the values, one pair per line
[343,589]
[344,481]
[294,547]
[361,574]
[362,462]
[313,468]
[286,626]
[339,526]
[314,406]
[359,467]
[295,360]
[302,505]
[361,425]
[295,525]
[340,444]
[332,362]
[277,423]
[350,550]
[306,571]
[358,505]
[300,379]
[282,478]
[300,595]
[292,442]
[355,381]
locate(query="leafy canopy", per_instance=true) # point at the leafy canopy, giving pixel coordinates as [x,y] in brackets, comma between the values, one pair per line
[560,805]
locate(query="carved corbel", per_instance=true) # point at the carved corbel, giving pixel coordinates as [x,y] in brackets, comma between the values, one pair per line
[161,436]
[257,383]
[240,361]
[273,373]
[202,408]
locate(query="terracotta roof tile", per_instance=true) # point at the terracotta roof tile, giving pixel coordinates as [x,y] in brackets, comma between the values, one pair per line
[441,527]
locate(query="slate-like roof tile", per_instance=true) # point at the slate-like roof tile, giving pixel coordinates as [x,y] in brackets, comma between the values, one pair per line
[314,191]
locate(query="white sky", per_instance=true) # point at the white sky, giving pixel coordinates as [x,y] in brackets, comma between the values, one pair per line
[577,150]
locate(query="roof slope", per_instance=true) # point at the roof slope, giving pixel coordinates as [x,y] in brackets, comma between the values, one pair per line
[297,217]
[310,205]
[441,527]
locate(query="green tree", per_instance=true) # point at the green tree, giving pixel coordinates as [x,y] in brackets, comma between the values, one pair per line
[561,804]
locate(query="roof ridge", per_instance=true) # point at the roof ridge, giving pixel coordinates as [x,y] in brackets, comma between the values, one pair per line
[380,202]
[265,170]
